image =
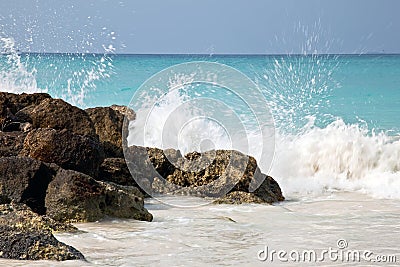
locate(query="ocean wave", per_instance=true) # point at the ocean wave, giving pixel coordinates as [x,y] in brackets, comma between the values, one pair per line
[338,157]
[312,161]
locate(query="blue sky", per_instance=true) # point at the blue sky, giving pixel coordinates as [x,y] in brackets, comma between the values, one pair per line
[206,26]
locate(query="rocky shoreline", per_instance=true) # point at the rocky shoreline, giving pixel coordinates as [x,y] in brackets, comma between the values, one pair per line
[60,164]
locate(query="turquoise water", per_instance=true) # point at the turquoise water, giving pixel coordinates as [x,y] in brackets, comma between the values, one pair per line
[336,116]
[353,87]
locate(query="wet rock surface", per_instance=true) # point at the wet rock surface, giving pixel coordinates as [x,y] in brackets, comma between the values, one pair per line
[26,218]
[26,235]
[125,202]
[76,197]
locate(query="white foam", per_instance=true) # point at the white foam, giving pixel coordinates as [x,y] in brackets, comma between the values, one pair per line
[14,74]
[343,157]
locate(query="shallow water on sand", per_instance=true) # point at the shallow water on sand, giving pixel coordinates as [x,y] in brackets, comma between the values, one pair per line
[224,235]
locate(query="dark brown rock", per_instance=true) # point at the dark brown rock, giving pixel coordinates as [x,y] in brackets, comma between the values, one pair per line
[10,104]
[141,168]
[28,236]
[64,148]
[125,202]
[27,219]
[76,197]
[209,174]
[269,191]
[108,124]
[24,115]
[115,170]
[164,161]
[59,115]
[34,245]
[11,143]
[24,100]
[126,111]
[24,180]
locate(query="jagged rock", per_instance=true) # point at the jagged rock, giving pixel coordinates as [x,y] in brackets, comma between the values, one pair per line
[116,170]
[108,124]
[126,111]
[161,186]
[24,180]
[26,235]
[208,174]
[20,101]
[269,191]
[59,115]
[239,197]
[26,219]
[24,115]
[34,245]
[125,202]
[64,148]
[11,143]
[141,168]
[66,195]
[164,161]
[10,104]
[149,162]
[76,197]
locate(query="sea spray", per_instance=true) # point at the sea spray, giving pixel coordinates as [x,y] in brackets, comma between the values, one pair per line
[298,86]
[82,73]
[175,106]
[69,70]
[15,74]
[317,152]
[72,77]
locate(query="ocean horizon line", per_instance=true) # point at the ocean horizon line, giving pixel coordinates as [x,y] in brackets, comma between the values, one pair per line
[205,54]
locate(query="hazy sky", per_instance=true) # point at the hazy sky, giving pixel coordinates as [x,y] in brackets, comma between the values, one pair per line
[203,26]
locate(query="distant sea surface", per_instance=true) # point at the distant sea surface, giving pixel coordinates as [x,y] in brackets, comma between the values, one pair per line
[359,87]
